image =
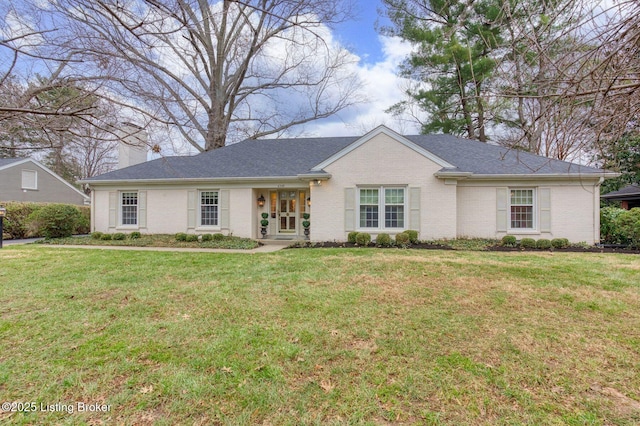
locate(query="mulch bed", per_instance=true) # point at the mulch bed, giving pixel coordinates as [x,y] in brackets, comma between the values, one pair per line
[426,246]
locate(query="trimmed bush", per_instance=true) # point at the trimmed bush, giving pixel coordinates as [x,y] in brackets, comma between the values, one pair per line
[106,237]
[55,220]
[413,236]
[306,216]
[207,237]
[84,224]
[306,223]
[560,243]
[16,221]
[119,236]
[363,239]
[384,240]
[509,241]
[218,237]
[403,240]
[543,244]
[96,235]
[191,238]
[135,235]
[528,243]
[352,237]
[264,223]
[181,236]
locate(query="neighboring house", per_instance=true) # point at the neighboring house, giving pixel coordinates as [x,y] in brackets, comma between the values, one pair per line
[439,185]
[24,179]
[629,196]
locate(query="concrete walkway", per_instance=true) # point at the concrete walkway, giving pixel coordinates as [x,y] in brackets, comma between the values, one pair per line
[14,242]
[270,247]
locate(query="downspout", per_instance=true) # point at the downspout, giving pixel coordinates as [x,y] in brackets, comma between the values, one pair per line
[596,210]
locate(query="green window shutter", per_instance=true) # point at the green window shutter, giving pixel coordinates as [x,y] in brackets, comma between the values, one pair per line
[502,217]
[544,198]
[142,209]
[349,209]
[414,209]
[113,209]
[191,209]
[224,208]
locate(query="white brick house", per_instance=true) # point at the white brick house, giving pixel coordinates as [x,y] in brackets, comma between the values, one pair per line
[439,185]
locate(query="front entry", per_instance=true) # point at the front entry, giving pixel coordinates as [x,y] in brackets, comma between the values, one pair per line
[287,208]
[287,212]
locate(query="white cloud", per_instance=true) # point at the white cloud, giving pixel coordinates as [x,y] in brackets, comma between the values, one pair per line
[383,87]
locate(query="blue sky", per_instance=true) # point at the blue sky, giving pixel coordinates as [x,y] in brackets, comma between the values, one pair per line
[359,35]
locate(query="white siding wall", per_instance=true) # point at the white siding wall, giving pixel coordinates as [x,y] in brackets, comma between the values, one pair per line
[383,161]
[574,210]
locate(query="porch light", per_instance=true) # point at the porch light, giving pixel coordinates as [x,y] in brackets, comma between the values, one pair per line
[309,201]
[261,200]
[3,213]
[317,182]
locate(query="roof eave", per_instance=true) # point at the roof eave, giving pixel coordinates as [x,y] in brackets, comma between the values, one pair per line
[175,181]
[544,176]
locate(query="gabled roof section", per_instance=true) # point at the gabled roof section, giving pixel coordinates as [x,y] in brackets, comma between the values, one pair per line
[305,158]
[386,131]
[6,163]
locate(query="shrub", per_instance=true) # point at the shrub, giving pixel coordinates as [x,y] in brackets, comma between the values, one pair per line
[16,221]
[306,223]
[384,240]
[560,243]
[84,224]
[306,216]
[118,236]
[610,232]
[264,223]
[402,240]
[363,239]
[628,224]
[106,237]
[543,244]
[135,235]
[207,237]
[181,236]
[218,237]
[192,238]
[55,220]
[509,241]
[413,236]
[265,215]
[352,237]
[96,235]
[528,243]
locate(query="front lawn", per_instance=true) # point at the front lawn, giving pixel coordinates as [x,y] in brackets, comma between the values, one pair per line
[320,336]
[157,240]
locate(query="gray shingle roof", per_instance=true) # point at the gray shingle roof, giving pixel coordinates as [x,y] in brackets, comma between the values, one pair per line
[627,191]
[7,161]
[292,157]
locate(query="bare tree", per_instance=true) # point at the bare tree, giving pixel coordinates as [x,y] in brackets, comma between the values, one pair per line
[217,71]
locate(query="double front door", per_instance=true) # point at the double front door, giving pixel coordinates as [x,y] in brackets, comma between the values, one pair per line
[288,206]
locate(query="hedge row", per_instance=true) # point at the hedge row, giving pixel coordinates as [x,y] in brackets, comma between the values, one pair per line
[619,226]
[24,220]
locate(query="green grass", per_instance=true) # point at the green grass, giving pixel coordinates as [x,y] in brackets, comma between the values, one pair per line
[158,240]
[321,336]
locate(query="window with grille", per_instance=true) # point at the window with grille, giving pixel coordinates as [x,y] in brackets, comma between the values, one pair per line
[388,203]
[522,209]
[208,208]
[129,208]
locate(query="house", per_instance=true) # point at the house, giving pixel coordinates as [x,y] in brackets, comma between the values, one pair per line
[25,179]
[629,196]
[382,182]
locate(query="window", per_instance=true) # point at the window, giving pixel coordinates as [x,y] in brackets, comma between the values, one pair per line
[522,209]
[208,208]
[29,179]
[129,208]
[391,206]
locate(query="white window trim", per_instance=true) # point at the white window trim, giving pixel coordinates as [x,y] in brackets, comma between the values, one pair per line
[35,180]
[534,197]
[120,215]
[199,226]
[381,214]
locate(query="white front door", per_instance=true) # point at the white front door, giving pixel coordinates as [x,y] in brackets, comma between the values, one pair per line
[287,211]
